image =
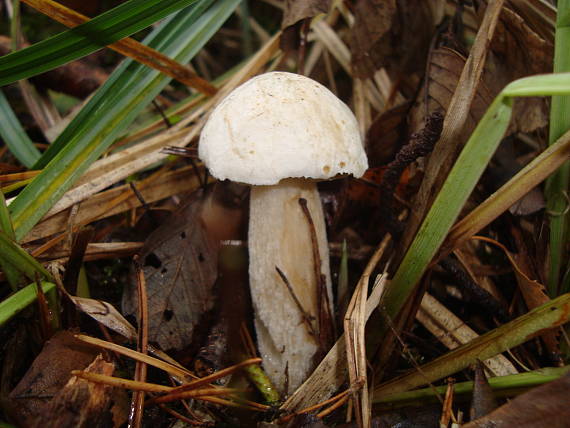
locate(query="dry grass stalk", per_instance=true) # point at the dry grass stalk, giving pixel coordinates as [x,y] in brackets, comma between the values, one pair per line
[453,332]
[117,200]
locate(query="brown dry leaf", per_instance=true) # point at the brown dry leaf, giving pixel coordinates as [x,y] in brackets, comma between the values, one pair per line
[381,35]
[445,68]
[483,401]
[517,51]
[297,10]
[384,135]
[82,403]
[546,405]
[180,266]
[533,292]
[48,374]
[106,314]
[372,21]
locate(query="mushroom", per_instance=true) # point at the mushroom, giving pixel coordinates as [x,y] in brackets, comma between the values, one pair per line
[279,132]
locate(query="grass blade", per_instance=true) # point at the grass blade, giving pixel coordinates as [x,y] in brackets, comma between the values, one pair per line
[501,385]
[448,203]
[460,183]
[12,274]
[128,47]
[17,257]
[526,179]
[557,185]
[111,111]
[20,300]
[15,137]
[125,77]
[113,25]
[550,315]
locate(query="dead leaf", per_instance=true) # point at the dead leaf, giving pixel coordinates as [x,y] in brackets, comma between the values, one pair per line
[517,51]
[385,134]
[483,401]
[381,35]
[48,374]
[372,21]
[180,266]
[546,405]
[444,71]
[297,10]
[82,403]
[106,314]
[533,292]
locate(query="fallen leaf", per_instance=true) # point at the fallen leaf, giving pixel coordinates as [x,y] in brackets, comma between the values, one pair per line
[369,46]
[297,10]
[444,70]
[106,314]
[294,26]
[82,403]
[546,405]
[381,38]
[518,51]
[483,401]
[180,266]
[533,292]
[386,134]
[48,374]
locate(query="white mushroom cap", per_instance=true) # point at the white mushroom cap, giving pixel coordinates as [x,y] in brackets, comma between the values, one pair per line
[280,125]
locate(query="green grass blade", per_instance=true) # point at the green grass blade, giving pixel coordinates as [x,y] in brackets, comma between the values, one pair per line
[454,192]
[107,116]
[20,300]
[16,256]
[550,315]
[113,25]
[14,135]
[502,386]
[5,221]
[459,184]
[127,75]
[12,274]
[557,185]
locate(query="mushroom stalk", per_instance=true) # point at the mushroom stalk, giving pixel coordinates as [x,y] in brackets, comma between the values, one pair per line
[280,236]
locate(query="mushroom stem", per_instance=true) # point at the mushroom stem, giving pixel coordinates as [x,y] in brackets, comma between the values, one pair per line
[280,236]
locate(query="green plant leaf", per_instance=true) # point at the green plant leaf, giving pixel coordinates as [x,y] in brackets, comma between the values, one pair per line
[501,385]
[12,274]
[112,110]
[14,135]
[558,184]
[113,25]
[17,257]
[20,300]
